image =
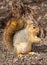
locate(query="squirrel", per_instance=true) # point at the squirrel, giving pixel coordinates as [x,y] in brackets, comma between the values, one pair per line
[18,37]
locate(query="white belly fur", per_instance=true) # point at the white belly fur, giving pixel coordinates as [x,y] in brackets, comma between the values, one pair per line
[21,41]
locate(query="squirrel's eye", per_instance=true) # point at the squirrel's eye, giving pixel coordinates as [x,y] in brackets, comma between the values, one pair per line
[34,27]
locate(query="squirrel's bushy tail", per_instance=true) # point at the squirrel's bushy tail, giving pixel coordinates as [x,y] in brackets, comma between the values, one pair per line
[12,26]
